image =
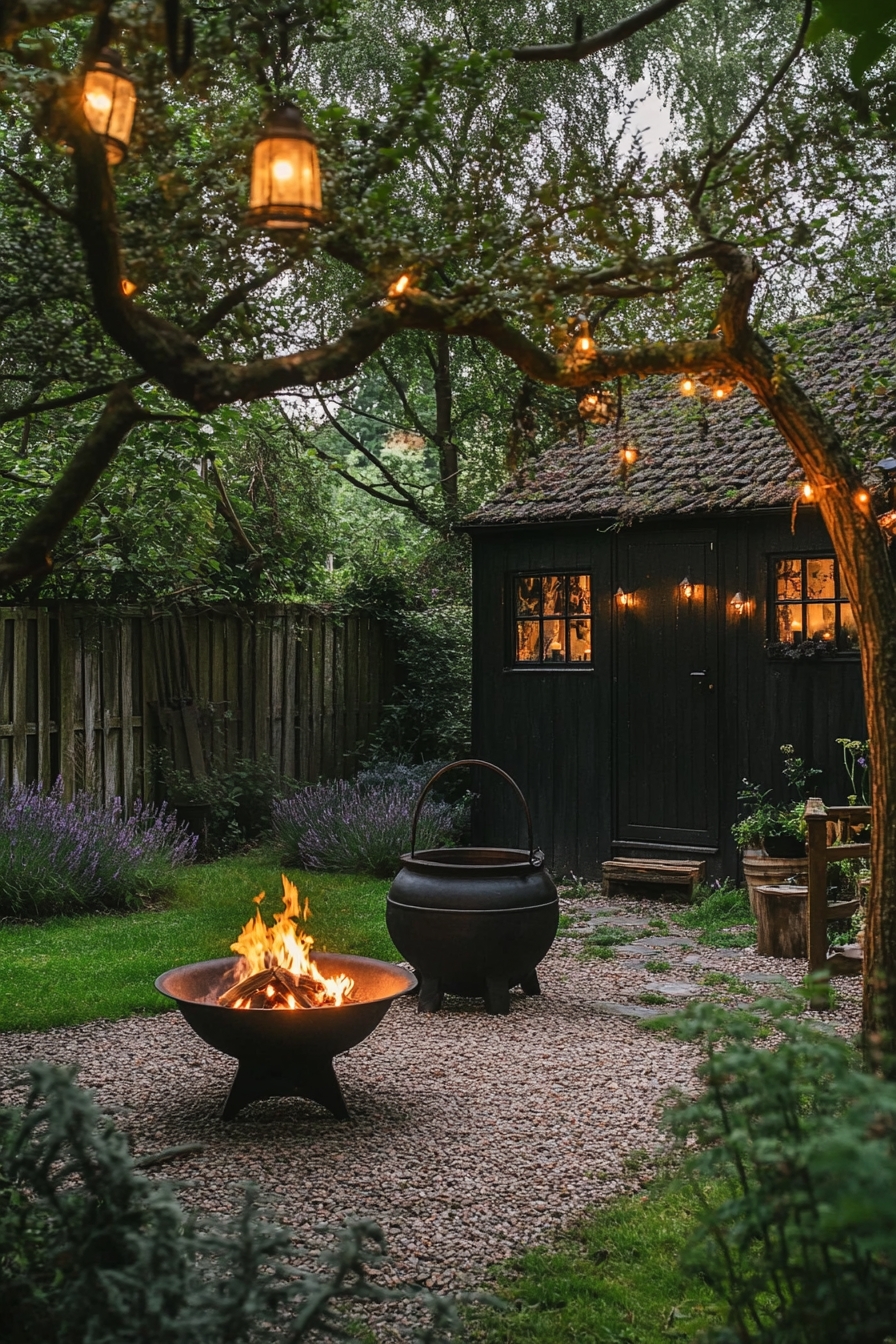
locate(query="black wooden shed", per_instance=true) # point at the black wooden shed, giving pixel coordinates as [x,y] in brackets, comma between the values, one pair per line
[648,634]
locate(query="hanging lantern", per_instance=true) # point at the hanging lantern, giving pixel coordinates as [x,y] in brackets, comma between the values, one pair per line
[629,455]
[285,188]
[597,406]
[687,387]
[110,103]
[738,604]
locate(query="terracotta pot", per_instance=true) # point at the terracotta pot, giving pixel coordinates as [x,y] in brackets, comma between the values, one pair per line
[762,871]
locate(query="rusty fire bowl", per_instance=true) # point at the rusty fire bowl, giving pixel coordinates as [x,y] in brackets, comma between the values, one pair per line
[286,1052]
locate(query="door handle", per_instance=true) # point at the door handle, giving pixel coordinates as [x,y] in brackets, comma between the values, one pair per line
[699,679]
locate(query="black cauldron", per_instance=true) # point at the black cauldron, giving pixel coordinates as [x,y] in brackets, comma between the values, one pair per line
[473,922]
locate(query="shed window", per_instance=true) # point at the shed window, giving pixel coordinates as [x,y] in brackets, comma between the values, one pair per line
[809,604]
[552,618]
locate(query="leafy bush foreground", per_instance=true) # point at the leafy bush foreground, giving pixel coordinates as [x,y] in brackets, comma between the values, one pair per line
[363,825]
[66,858]
[92,1251]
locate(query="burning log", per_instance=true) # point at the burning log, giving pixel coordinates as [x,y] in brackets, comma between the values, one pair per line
[274,988]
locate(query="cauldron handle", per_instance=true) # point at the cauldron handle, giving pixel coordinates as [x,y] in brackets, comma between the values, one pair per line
[536,858]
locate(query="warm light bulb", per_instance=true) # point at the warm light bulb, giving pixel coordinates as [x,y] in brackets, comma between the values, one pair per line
[629,455]
[687,387]
[807,491]
[99,101]
[584,344]
[282,170]
[862,497]
[623,598]
[719,393]
[738,603]
[687,588]
[128,287]
[400,285]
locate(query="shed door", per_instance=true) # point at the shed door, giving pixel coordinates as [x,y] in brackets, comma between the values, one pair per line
[667,695]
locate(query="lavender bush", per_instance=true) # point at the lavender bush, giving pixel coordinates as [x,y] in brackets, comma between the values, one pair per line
[64,858]
[363,825]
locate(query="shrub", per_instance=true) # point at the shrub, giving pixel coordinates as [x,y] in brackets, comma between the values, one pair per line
[239,799]
[64,858]
[363,825]
[93,1250]
[798,1148]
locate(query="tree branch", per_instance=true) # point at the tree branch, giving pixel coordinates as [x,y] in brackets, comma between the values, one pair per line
[371,457]
[610,37]
[718,156]
[59,403]
[19,16]
[30,554]
[34,191]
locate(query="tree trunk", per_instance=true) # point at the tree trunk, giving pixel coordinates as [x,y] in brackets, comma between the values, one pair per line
[447,448]
[868,575]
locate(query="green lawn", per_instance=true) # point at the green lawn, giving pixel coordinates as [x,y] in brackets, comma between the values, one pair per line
[615,1279]
[74,969]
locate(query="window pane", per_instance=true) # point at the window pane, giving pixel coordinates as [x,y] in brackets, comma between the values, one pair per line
[580,594]
[554,642]
[790,623]
[820,621]
[580,641]
[528,593]
[819,580]
[789,576]
[527,641]
[849,634]
[552,588]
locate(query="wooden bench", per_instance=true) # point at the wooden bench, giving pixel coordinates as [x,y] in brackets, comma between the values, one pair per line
[656,874]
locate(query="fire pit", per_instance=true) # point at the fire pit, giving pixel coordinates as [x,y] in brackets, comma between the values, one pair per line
[284,1021]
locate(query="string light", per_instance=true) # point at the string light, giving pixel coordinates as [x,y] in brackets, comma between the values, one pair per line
[399,286]
[584,343]
[808,492]
[128,287]
[629,455]
[687,387]
[862,497]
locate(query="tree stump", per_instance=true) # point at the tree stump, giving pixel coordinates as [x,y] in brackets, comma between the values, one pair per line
[781,917]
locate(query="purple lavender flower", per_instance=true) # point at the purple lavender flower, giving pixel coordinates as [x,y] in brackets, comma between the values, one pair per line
[361,825]
[64,858]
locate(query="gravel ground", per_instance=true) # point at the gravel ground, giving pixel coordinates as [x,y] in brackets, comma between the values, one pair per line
[472,1136]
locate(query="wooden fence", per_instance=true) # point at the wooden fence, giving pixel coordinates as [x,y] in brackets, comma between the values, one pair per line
[90,695]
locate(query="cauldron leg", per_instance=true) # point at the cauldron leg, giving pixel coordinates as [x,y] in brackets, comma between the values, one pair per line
[529,983]
[430,1000]
[315,1080]
[497,996]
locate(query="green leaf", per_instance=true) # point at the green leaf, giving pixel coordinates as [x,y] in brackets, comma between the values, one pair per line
[869,49]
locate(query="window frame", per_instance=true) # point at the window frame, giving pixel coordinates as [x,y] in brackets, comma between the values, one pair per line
[563,571]
[838,601]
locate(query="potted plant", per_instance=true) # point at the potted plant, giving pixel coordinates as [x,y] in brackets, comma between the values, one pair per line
[772,836]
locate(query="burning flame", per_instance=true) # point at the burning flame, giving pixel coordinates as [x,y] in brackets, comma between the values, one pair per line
[262,947]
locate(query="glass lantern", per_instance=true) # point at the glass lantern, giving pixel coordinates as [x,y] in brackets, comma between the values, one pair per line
[110,103]
[284,192]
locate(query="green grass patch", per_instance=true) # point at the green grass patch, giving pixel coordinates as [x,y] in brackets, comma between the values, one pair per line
[74,969]
[652,996]
[714,912]
[613,1279]
[657,965]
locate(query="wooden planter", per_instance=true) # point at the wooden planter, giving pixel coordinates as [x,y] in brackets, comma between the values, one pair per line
[781,916]
[760,870]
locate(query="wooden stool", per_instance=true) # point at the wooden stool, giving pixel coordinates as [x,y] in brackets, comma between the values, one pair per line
[655,874]
[781,917]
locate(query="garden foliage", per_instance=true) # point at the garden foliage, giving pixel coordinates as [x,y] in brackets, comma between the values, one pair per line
[65,858]
[239,799]
[92,1251]
[363,825]
[792,1155]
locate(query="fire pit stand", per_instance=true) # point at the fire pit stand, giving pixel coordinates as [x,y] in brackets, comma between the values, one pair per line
[286,1052]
